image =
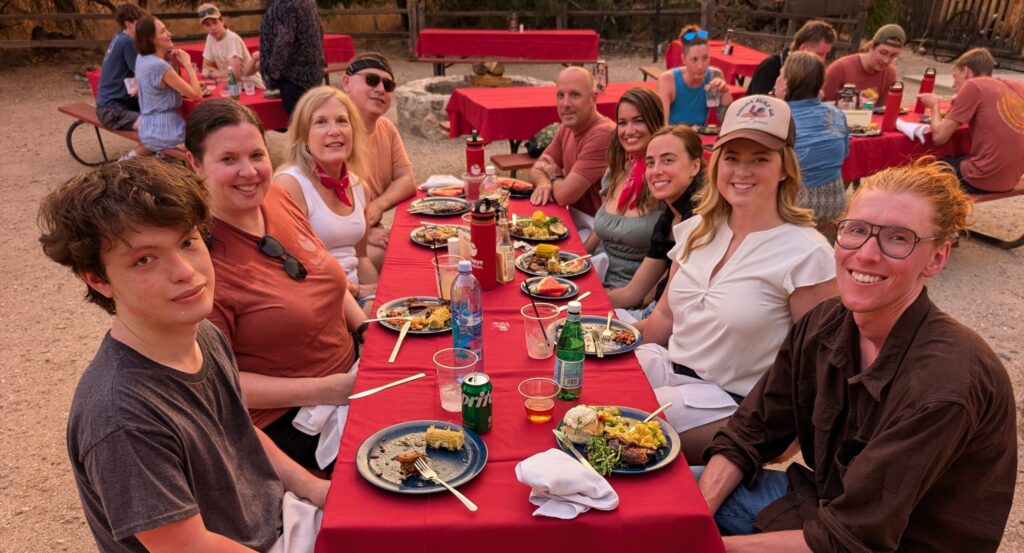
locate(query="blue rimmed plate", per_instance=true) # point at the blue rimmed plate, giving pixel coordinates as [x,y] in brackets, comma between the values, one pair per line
[665,455]
[455,467]
[596,323]
[528,284]
[402,307]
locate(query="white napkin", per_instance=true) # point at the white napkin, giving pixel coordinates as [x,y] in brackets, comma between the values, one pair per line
[300,524]
[562,487]
[440,181]
[913,130]
[329,422]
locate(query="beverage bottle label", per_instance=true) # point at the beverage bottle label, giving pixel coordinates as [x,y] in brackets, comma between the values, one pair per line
[569,373]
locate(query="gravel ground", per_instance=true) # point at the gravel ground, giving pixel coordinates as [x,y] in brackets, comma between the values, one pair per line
[51,334]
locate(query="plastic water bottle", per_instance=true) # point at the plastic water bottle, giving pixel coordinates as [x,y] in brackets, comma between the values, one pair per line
[490,188]
[569,355]
[468,312]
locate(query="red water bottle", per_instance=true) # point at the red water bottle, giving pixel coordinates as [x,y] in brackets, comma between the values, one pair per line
[892,106]
[474,155]
[483,232]
[927,85]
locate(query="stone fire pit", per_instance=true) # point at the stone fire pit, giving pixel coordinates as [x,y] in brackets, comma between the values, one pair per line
[421,104]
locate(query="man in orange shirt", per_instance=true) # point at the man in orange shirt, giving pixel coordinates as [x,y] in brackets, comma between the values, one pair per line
[570,169]
[370,83]
[984,103]
[869,70]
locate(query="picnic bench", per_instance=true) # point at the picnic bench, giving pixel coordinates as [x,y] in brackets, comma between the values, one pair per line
[651,71]
[83,114]
[992,240]
[512,162]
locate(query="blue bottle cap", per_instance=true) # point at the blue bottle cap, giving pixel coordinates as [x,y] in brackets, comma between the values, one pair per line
[465,266]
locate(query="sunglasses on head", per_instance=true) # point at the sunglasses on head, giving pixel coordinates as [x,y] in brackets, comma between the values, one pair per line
[292,267]
[373,79]
[702,34]
[207,11]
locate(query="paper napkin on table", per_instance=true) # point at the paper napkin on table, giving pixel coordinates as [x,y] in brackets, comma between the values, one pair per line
[440,181]
[563,488]
[914,131]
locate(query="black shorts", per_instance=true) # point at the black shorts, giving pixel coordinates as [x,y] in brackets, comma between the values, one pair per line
[955,162]
[117,117]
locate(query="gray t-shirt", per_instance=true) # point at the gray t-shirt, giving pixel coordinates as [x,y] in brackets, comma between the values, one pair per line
[150,445]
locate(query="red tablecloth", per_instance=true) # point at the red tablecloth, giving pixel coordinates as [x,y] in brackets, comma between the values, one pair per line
[868,155]
[517,113]
[660,511]
[742,61]
[576,45]
[269,110]
[337,48]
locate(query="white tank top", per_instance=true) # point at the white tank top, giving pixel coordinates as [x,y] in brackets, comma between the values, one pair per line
[339,233]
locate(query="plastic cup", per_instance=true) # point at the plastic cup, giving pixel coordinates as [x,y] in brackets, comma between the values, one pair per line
[539,398]
[249,86]
[453,364]
[472,186]
[446,268]
[713,98]
[539,331]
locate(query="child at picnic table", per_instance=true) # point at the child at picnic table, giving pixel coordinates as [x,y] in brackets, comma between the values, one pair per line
[163,453]
[161,87]
[745,266]
[224,49]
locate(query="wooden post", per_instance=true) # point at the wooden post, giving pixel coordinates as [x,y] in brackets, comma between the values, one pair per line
[412,15]
[707,16]
[657,31]
[857,36]
[562,17]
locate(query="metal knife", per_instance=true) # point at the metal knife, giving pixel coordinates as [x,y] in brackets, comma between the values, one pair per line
[567,444]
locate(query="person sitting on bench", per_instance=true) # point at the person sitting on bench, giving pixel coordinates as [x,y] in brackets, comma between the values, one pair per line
[993,110]
[116,107]
[224,49]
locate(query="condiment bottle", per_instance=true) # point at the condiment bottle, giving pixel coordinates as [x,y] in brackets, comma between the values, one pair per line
[727,47]
[484,238]
[892,106]
[847,97]
[927,85]
[506,254]
[474,154]
[453,246]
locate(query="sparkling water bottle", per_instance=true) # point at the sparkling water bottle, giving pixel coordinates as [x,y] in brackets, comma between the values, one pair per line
[569,355]
[468,313]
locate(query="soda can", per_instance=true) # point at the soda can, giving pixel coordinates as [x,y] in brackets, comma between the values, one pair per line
[476,402]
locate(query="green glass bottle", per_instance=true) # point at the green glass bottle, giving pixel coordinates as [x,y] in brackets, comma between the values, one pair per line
[233,84]
[569,355]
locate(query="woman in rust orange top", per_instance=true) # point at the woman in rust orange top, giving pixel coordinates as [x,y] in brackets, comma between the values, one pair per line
[281,299]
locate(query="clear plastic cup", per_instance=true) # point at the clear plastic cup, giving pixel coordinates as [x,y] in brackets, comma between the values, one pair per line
[249,86]
[446,268]
[453,364]
[539,330]
[713,98]
[539,398]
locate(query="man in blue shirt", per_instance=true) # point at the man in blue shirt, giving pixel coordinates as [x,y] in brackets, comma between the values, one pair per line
[116,108]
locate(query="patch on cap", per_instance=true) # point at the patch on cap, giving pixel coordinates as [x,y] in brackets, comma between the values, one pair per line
[763,119]
[206,11]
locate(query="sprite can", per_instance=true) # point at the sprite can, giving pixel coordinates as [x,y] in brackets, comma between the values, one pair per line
[476,402]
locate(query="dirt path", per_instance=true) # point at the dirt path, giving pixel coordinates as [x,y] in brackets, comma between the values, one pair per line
[50,334]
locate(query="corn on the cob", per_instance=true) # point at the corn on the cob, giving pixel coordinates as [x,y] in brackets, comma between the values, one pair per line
[445,438]
[547,251]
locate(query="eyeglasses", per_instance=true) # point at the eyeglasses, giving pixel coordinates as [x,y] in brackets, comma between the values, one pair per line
[292,267]
[895,242]
[373,79]
[702,34]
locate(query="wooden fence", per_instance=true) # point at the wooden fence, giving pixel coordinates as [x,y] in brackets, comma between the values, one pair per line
[1002,22]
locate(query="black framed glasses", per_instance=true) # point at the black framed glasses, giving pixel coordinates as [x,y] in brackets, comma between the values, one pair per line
[701,34]
[292,267]
[895,242]
[373,79]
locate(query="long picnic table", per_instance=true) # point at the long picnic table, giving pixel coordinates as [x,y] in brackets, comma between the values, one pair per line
[337,48]
[657,511]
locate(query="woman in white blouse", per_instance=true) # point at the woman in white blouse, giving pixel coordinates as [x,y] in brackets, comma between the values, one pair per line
[322,159]
[744,268]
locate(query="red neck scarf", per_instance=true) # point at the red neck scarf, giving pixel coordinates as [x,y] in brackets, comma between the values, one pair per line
[337,185]
[631,193]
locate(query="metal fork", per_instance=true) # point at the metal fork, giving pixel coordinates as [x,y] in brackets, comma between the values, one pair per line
[429,474]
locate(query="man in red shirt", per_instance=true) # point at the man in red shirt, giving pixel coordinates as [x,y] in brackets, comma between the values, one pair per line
[994,106]
[868,70]
[570,169]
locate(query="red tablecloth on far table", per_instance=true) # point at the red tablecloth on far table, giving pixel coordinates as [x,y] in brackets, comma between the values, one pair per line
[517,113]
[871,154]
[659,511]
[576,45]
[742,61]
[337,48]
[269,110]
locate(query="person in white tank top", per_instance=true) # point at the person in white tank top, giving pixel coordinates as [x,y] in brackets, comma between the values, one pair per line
[322,158]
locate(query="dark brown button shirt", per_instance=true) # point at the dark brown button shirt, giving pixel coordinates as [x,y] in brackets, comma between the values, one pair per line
[916,453]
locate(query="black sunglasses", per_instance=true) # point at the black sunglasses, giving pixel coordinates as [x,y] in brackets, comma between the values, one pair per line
[373,79]
[292,267]
[207,11]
